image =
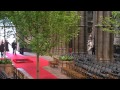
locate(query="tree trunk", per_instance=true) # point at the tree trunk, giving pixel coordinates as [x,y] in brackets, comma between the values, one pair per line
[38,71]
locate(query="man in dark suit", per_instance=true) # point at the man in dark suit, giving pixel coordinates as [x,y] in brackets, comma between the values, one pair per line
[93,50]
[14,46]
[2,48]
[6,45]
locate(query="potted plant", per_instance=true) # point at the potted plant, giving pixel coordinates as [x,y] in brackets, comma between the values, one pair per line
[6,65]
[70,58]
[5,61]
[65,59]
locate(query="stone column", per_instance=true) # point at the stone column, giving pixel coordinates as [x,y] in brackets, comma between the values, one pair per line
[103,40]
[108,42]
[99,36]
[83,31]
[111,46]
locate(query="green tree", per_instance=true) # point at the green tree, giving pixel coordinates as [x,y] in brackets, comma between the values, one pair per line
[42,30]
[112,23]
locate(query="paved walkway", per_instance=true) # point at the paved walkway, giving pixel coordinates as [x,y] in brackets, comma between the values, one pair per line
[54,71]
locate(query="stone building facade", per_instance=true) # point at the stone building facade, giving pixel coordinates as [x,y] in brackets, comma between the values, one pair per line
[89,24]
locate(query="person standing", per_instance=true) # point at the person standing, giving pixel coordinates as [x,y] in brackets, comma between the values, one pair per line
[2,48]
[6,45]
[93,50]
[14,46]
[22,50]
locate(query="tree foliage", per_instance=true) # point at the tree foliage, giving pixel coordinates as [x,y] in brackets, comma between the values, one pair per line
[112,24]
[42,30]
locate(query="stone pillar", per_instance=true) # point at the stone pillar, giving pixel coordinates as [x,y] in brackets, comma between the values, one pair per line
[111,46]
[83,31]
[103,40]
[99,36]
[108,42]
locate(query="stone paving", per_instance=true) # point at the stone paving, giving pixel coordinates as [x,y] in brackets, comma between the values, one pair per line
[54,71]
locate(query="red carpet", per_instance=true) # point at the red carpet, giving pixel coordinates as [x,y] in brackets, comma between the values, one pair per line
[30,68]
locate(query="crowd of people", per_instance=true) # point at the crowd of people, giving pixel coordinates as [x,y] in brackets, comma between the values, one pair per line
[4,47]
